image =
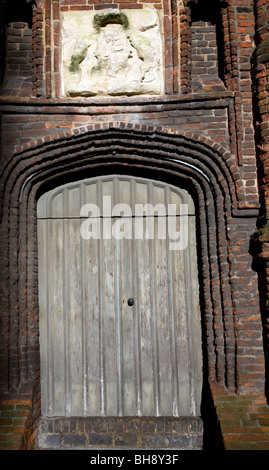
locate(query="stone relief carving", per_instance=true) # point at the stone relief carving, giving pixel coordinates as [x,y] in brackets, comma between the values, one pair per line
[112,53]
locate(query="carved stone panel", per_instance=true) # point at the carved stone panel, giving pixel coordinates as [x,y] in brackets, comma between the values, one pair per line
[111,52]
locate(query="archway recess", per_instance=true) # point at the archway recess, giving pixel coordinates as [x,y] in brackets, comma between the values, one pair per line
[199,166]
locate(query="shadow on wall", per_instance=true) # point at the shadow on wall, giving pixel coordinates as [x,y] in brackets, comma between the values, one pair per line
[207,47]
[16,48]
[212,439]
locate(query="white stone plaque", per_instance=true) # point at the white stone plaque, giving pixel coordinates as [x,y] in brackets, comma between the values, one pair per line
[111,52]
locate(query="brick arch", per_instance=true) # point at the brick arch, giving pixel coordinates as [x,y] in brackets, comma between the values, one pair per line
[222,157]
[197,164]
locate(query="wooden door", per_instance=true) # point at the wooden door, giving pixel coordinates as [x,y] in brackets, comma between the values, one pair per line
[119,311]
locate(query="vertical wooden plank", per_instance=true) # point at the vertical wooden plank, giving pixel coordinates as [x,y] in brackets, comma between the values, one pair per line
[118,311]
[102,303]
[188,405]
[84,335]
[109,315]
[128,290]
[194,324]
[75,336]
[93,310]
[182,334]
[145,327]
[56,304]
[153,313]
[172,291]
[136,307]
[160,273]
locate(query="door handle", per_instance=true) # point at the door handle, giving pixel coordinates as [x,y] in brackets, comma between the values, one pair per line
[130,302]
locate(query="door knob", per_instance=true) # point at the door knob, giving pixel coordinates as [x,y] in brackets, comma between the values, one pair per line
[130,302]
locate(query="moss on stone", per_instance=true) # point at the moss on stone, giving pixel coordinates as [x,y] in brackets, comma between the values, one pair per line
[76,60]
[103,18]
[262,233]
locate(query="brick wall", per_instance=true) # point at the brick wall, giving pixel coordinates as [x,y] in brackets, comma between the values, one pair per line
[18,424]
[260,246]
[207,47]
[13,424]
[18,60]
[243,421]
[210,118]
[205,69]
[19,50]
[204,119]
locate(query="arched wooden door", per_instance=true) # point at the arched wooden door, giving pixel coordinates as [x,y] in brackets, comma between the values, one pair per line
[120,330]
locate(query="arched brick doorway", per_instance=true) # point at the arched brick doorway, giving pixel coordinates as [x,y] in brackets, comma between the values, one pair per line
[154,153]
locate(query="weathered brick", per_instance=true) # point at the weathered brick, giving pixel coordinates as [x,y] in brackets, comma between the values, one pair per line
[74,440]
[126,439]
[214,60]
[49,441]
[152,441]
[98,439]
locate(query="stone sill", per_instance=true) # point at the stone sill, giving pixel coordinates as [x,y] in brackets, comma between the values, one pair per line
[111,433]
[117,101]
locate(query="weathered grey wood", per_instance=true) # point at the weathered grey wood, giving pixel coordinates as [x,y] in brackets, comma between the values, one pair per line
[99,355]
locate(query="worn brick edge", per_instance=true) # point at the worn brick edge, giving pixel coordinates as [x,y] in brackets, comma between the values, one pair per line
[243,419]
[18,424]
